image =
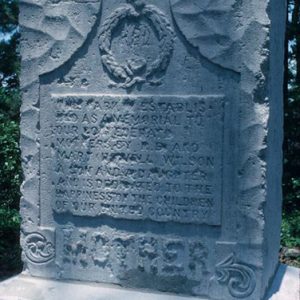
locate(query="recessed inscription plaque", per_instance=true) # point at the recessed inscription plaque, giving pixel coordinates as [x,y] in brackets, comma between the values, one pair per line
[127,157]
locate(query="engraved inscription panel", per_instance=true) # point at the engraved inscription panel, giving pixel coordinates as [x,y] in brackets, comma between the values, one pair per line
[135,157]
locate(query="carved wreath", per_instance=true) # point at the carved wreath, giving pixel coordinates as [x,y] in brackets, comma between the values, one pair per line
[127,74]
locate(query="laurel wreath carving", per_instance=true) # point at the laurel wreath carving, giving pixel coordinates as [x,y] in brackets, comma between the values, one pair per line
[126,74]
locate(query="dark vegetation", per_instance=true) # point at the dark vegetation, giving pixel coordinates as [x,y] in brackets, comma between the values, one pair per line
[10,164]
[290,235]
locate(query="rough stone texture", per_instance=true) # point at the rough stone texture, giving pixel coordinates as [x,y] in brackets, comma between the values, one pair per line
[28,288]
[286,286]
[151,143]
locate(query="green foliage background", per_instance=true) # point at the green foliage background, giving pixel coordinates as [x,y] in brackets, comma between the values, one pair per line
[291,176]
[10,164]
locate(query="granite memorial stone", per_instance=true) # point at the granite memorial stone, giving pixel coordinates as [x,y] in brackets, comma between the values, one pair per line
[151,143]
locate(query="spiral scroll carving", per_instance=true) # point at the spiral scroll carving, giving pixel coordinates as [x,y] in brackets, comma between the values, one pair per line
[38,249]
[239,278]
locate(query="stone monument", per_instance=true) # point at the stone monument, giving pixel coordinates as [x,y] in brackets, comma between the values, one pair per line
[151,143]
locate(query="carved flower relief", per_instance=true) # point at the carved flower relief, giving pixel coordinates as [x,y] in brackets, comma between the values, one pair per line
[75,251]
[198,255]
[100,249]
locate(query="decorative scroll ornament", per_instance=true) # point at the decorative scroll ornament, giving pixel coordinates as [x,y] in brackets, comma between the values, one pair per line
[135,71]
[37,249]
[240,278]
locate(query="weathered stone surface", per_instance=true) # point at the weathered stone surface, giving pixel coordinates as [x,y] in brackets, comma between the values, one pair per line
[284,287]
[28,288]
[151,143]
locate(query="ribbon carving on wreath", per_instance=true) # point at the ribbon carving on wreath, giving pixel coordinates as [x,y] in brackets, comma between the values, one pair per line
[136,71]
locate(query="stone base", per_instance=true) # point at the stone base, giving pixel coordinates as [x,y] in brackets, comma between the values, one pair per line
[286,286]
